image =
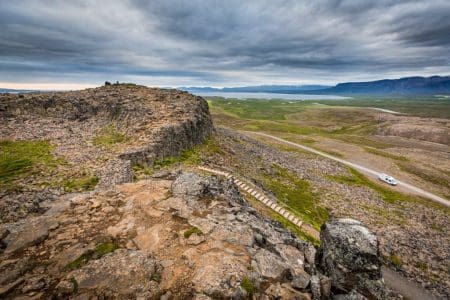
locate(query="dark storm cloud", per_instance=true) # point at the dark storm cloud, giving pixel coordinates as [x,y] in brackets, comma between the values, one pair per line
[222,42]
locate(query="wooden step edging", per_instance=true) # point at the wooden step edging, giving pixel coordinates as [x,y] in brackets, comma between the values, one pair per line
[258,196]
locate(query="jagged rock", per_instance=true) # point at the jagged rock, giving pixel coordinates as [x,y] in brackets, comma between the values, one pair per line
[32,233]
[353,295]
[315,287]
[301,280]
[190,185]
[214,273]
[4,233]
[121,274]
[195,239]
[195,186]
[5,290]
[325,286]
[34,284]
[284,291]
[270,265]
[349,255]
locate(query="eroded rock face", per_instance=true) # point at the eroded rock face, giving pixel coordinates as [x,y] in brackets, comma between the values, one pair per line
[349,255]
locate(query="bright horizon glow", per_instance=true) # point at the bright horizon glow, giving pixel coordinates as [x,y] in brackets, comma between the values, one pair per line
[46,86]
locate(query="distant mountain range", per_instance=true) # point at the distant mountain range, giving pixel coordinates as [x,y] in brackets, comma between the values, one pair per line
[282,89]
[403,86]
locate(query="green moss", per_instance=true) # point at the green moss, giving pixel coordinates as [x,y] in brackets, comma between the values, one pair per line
[79,262]
[421,265]
[109,136]
[296,196]
[191,231]
[248,286]
[19,159]
[156,277]
[396,261]
[105,248]
[99,251]
[74,285]
[437,228]
[84,183]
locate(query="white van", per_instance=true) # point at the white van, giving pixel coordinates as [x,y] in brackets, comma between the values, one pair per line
[388,179]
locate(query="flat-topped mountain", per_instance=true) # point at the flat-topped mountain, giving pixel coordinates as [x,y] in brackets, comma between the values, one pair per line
[403,86]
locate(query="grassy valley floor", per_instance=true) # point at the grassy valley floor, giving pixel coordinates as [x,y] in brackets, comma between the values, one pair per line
[412,231]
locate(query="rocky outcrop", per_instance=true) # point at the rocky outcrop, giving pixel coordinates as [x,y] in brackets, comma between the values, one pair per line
[350,256]
[102,132]
[181,236]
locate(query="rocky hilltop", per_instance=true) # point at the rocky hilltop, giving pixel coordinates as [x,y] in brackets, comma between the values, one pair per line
[98,135]
[86,215]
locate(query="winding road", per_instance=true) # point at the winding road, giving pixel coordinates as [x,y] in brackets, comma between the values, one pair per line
[412,188]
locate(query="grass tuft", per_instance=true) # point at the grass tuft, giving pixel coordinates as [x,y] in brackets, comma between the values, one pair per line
[99,251]
[105,248]
[396,261]
[109,136]
[191,231]
[84,183]
[74,285]
[248,286]
[19,159]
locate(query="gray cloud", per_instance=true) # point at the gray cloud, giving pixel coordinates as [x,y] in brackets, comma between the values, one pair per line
[221,42]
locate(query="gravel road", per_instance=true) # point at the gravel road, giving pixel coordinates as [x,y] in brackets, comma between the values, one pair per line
[412,188]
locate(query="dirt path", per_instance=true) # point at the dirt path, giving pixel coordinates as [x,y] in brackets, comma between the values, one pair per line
[411,188]
[408,289]
[387,111]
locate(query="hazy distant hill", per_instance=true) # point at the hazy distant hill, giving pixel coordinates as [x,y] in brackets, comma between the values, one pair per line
[402,86]
[14,91]
[282,89]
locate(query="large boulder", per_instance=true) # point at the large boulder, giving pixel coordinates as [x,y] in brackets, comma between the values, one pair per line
[192,187]
[350,256]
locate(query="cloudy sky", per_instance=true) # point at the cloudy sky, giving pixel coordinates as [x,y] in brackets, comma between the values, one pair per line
[77,43]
